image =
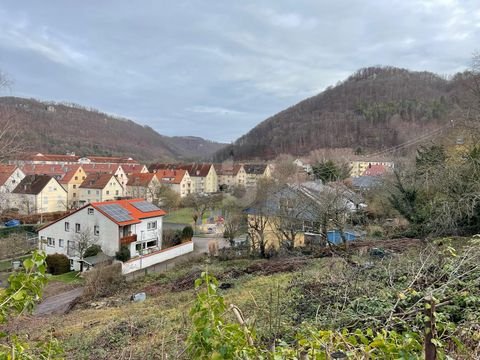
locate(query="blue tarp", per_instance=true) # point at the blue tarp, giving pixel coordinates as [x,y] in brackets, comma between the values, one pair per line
[333,236]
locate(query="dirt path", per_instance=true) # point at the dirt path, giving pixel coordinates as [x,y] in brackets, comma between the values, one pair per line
[58,304]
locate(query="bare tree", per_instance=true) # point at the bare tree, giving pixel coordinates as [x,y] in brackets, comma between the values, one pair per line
[82,242]
[11,142]
[200,203]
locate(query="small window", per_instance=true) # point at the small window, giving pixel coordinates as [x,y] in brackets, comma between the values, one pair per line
[74,194]
[116,192]
[60,242]
[77,228]
[74,186]
[90,211]
[76,178]
[108,192]
[96,230]
[50,241]
[67,226]
[88,192]
[152,225]
[98,192]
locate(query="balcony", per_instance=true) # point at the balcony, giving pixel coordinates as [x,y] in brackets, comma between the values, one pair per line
[128,239]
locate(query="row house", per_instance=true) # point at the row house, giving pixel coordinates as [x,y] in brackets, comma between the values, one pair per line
[178,180]
[358,167]
[142,185]
[204,177]
[130,169]
[134,223]
[99,187]
[113,169]
[38,194]
[230,175]
[255,172]
[10,177]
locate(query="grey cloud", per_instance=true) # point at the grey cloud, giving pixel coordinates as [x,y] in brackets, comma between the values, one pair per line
[216,68]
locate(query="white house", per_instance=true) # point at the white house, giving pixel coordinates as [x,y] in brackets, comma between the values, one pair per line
[135,223]
[10,177]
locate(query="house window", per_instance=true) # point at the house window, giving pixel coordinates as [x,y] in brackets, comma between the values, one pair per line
[116,192]
[108,192]
[60,242]
[77,228]
[74,186]
[152,225]
[50,241]
[88,192]
[76,178]
[74,194]
[98,192]
[67,226]
[96,230]
[90,211]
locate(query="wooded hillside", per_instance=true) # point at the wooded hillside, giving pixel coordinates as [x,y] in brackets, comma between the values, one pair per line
[375,108]
[58,128]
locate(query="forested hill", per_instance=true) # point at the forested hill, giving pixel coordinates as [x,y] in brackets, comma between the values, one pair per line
[374,108]
[58,128]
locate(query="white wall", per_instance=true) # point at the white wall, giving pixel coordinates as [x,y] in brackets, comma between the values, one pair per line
[108,237]
[157,257]
[141,229]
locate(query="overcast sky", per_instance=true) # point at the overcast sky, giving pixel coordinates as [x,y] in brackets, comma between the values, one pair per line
[217,68]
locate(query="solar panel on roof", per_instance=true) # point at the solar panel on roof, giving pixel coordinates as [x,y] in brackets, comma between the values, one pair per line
[145,206]
[116,212]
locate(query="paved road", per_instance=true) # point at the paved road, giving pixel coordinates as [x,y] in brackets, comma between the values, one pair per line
[58,304]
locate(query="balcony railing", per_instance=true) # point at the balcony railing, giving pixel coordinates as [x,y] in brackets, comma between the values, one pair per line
[128,239]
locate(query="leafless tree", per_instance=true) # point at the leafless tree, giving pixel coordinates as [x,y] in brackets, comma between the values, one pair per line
[11,142]
[83,241]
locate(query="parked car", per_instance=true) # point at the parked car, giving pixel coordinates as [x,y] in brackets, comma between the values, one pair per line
[12,223]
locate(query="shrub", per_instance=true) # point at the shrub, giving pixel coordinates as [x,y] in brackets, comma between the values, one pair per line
[171,238]
[57,264]
[187,233]
[123,254]
[92,251]
[103,281]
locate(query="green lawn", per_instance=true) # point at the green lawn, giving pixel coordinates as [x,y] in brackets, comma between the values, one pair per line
[68,278]
[183,216]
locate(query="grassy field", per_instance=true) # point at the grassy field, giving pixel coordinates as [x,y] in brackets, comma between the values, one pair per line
[7,264]
[278,296]
[183,216]
[68,278]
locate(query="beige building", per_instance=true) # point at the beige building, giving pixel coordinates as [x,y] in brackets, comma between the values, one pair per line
[39,194]
[204,177]
[113,169]
[142,185]
[358,167]
[255,172]
[230,175]
[71,182]
[178,180]
[99,187]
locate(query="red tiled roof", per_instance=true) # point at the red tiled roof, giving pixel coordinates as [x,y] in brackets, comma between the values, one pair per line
[133,211]
[140,179]
[222,169]
[375,170]
[96,181]
[133,168]
[5,172]
[200,170]
[171,176]
[59,172]
[111,160]
[71,171]
[100,168]
[75,158]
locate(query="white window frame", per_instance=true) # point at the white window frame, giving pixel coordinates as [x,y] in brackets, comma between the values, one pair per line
[78,228]
[67,226]
[96,230]
[90,211]
[61,243]
[152,225]
[50,241]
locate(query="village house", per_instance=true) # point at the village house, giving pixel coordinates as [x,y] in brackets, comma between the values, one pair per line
[255,172]
[286,214]
[38,194]
[203,176]
[178,180]
[230,175]
[71,182]
[114,169]
[99,187]
[10,177]
[130,169]
[135,223]
[358,167]
[142,185]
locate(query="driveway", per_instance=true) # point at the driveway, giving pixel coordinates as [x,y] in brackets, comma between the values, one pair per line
[58,304]
[200,244]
